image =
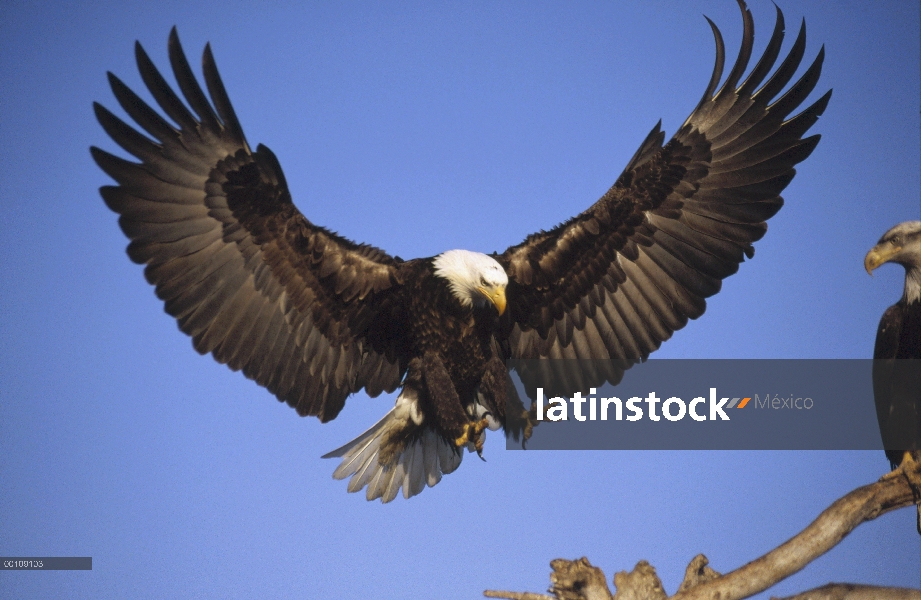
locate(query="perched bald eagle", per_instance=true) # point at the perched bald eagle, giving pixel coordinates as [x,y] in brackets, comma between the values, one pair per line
[897,353]
[314,317]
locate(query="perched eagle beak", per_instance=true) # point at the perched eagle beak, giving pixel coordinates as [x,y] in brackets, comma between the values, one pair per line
[879,254]
[496,295]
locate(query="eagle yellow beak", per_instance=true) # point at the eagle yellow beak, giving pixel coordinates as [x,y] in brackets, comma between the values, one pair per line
[495,295]
[879,254]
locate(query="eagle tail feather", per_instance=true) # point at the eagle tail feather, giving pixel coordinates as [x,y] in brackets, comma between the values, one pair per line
[421,458]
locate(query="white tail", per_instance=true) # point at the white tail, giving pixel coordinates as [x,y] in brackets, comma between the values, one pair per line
[422,462]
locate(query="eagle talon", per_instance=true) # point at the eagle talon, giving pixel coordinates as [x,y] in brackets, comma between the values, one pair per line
[530,420]
[902,470]
[471,434]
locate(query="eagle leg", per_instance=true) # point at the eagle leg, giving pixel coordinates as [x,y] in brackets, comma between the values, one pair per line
[499,393]
[447,410]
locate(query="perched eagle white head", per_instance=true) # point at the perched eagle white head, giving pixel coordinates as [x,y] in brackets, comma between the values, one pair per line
[902,245]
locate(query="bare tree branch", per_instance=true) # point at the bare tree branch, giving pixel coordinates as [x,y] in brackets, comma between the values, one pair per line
[516,595]
[697,572]
[823,534]
[850,591]
[579,580]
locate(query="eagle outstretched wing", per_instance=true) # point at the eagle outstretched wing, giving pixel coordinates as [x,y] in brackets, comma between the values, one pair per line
[245,274]
[618,279]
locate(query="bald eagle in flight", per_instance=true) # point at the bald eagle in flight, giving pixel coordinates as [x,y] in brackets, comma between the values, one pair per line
[897,353]
[315,317]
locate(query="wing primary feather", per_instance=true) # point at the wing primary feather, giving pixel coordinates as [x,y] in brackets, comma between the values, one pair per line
[138,182]
[773,155]
[221,99]
[786,70]
[701,239]
[124,135]
[141,251]
[801,89]
[797,126]
[170,170]
[167,275]
[148,211]
[745,52]
[162,92]
[189,84]
[140,112]
[695,270]
[717,70]
[770,54]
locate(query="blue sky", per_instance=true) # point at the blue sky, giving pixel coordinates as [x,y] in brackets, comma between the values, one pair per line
[418,127]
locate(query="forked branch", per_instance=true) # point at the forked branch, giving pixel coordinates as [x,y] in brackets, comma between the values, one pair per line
[579,580]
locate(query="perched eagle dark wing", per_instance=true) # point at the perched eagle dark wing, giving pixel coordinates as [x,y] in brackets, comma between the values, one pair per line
[252,281]
[618,279]
[897,379]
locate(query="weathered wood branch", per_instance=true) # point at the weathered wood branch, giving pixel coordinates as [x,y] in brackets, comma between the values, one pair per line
[850,591]
[579,580]
[516,595]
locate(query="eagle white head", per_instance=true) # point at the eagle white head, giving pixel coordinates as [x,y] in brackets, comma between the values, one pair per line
[475,278]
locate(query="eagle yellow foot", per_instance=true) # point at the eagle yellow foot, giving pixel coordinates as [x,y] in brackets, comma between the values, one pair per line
[910,469]
[472,433]
[906,468]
